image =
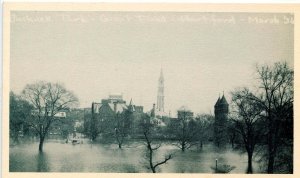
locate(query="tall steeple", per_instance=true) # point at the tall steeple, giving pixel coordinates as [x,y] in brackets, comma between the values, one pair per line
[160,92]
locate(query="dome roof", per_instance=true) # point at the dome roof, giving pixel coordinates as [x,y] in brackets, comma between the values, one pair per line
[184,108]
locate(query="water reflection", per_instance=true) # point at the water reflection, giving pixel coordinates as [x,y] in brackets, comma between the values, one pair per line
[42,162]
[62,157]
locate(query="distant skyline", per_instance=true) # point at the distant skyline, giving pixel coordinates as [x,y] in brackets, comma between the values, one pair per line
[95,54]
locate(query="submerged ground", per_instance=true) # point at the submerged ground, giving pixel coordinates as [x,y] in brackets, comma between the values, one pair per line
[59,156]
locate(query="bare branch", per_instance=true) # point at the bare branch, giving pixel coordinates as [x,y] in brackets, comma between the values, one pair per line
[163,162]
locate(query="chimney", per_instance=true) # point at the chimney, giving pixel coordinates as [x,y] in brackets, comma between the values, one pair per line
[153,111]
[92,107]
[115,107]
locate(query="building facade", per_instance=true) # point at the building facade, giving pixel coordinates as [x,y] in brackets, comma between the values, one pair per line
[185,112]
[104,114]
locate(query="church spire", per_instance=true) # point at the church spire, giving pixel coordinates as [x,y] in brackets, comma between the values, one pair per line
[160,92]
[161,77]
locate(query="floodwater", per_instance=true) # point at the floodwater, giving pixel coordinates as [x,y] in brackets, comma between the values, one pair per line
[59,156]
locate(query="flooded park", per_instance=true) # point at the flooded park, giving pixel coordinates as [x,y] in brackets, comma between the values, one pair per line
[149,91]
[59,156]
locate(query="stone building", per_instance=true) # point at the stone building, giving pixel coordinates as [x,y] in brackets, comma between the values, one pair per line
[220,125]
[106,112]
[185,112]
[113,105]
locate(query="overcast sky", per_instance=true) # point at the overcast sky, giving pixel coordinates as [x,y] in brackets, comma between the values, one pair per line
[98,53]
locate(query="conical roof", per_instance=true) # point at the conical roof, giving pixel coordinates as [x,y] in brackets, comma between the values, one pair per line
[218,102]
[223,100]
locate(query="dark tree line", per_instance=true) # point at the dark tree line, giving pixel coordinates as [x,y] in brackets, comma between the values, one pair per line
[19,113]
[189,131]
[185,131]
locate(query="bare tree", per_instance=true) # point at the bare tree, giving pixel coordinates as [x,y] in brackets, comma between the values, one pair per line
[149,127]
[204,125]
[232,133]
[248,122]
[48,99]
[122,126]
[184,130]
[275,95]
[151,150]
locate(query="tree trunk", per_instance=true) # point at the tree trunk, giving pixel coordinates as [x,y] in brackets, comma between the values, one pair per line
[16,138]
[150,158]
[271,162]
[41,143]
[182,146]
[94,136]
[249,169]
[153,170]
[120,145]
[201,145]
[271,148]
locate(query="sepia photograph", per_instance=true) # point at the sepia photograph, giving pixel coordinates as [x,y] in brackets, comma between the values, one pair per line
[149,91]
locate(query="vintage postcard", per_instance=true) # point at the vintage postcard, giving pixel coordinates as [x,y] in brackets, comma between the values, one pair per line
[189,89]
